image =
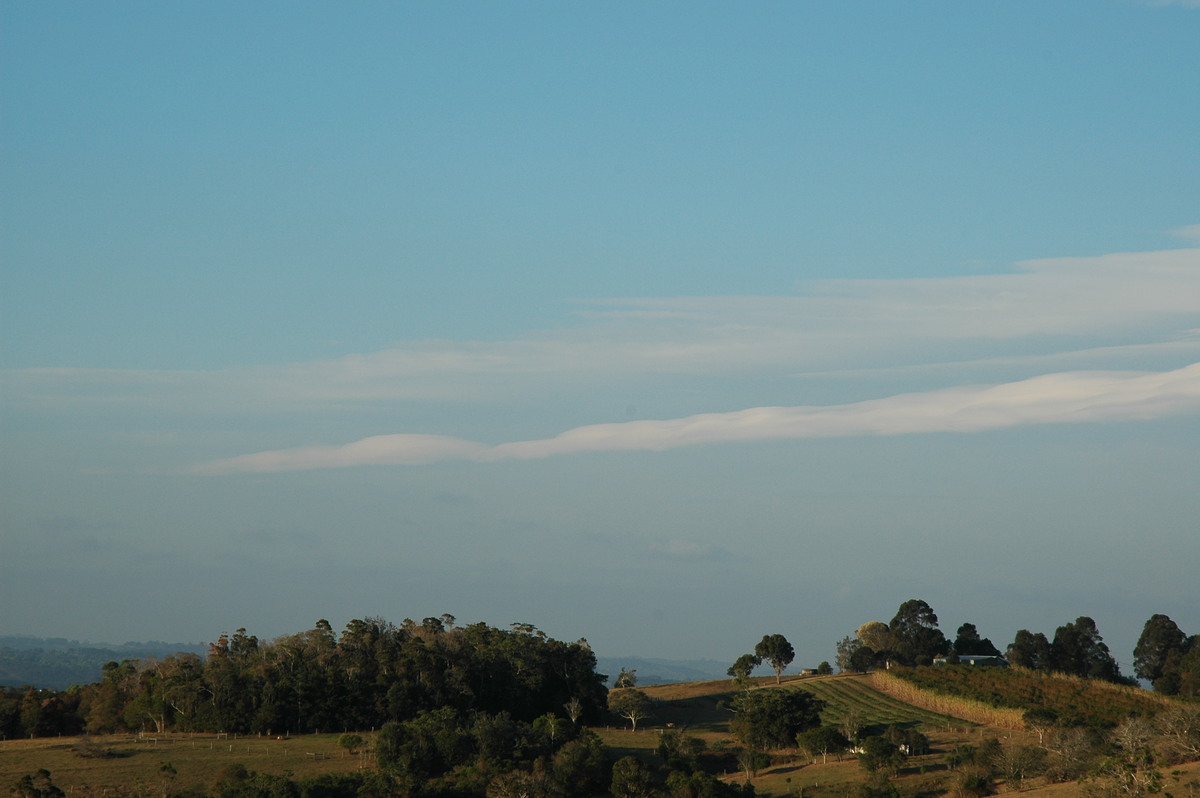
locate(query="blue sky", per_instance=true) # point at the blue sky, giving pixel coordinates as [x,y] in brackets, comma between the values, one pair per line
[668,325]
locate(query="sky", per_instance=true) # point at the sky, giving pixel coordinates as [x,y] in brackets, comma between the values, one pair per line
[668,325]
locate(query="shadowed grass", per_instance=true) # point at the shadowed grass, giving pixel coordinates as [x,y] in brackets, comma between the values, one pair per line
[123,762]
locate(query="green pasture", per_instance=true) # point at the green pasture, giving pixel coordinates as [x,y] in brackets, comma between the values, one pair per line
[843,694]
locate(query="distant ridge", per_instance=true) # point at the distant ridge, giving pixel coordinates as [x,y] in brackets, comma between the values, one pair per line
[56,663]
[663,671]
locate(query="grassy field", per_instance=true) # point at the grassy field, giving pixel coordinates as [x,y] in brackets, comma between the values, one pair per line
[855,693]
[697,709]
[99,764]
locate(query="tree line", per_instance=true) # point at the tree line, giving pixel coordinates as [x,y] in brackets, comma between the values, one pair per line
[1165,656]
[373,673]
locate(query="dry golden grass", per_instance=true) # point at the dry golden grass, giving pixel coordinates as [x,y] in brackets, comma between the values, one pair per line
[974,711]
[1179,781]
[136,765]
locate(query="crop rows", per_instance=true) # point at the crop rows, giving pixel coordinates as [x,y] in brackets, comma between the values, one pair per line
[1014,690]
[957,706]
[843,695]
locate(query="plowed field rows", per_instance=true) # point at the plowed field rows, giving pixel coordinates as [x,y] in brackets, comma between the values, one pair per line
[843,694]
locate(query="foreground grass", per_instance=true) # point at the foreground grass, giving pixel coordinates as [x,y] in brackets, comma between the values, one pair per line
[99,764]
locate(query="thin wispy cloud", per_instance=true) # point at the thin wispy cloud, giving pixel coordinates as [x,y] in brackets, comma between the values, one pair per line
[1070,397]
[399,449]
[1044,308]
[1192,231]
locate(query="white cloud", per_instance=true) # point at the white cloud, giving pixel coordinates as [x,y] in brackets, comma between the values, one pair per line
[1044,309]
[399,449]
[1070,397]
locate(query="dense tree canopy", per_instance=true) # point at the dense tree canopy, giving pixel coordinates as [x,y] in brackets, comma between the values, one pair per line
[1029,650]
[1160,638]
[374,673]
[1078,649]
[918,638]
[771,718]
[1168,658]
[776,650]
[968,641]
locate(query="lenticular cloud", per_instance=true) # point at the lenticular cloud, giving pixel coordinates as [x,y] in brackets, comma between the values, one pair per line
[1069,397]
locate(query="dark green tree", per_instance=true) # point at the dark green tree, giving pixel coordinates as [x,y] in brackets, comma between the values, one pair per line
[1079,649]
[679,751]
[916,628]
[631,704]
[771,718]
[580,767]
[968,641]
[879,753]
[1029,650]
[776,650]
[37,785]
[1160,638]
[862,660]
[742,667]
[631,778]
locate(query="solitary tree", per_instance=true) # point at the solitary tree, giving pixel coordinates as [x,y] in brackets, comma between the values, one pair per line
[776,650]
[633,705]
